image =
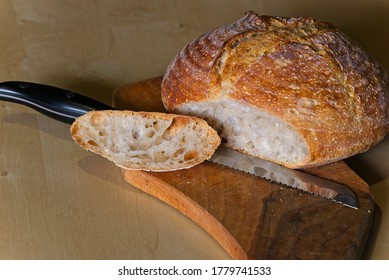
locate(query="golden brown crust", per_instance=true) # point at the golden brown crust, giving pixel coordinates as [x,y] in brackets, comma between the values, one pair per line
[307,73]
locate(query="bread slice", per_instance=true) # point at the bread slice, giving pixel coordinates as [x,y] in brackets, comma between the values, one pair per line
[144,140]
[293,91]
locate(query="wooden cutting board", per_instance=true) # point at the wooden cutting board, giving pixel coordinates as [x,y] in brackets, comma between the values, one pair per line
[250,217]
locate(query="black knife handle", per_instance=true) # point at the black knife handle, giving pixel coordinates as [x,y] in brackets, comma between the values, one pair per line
[57,103]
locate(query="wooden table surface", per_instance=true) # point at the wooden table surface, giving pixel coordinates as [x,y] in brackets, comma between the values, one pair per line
[58,201]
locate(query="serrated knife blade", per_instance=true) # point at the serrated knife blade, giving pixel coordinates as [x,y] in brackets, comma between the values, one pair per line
[285,176]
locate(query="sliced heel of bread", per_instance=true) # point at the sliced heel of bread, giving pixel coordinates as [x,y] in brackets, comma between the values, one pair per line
[144,140]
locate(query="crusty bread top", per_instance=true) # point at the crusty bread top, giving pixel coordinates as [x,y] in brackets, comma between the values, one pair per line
[146,140]
[306,73]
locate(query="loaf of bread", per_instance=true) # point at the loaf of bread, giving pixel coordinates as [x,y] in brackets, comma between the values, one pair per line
[144,140]
[293,91]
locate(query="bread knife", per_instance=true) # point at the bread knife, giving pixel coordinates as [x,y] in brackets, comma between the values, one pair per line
[66,106]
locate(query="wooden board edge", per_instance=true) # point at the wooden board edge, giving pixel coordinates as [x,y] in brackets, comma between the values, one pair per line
[173,197]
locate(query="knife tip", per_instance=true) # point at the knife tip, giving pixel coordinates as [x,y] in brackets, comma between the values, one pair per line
[347,200]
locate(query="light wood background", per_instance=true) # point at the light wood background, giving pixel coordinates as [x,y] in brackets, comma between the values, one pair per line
[60,202]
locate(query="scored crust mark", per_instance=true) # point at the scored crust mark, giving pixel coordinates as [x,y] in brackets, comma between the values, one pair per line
[146,141]
[327,98]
